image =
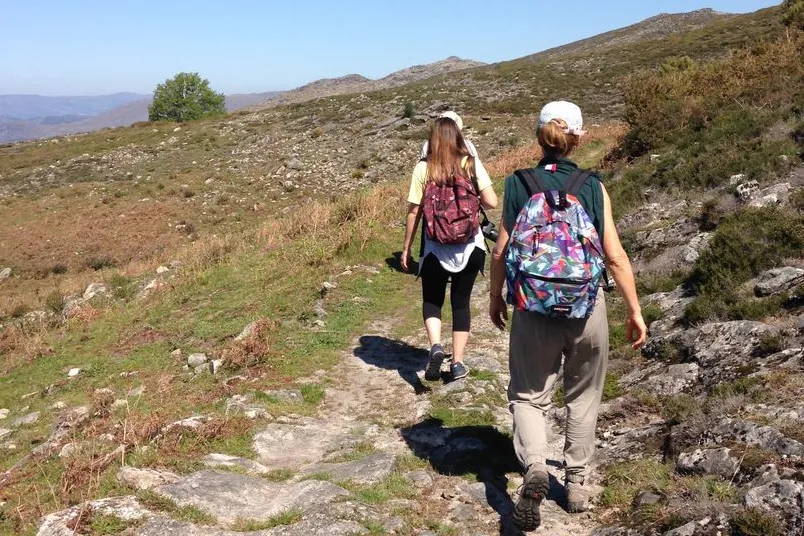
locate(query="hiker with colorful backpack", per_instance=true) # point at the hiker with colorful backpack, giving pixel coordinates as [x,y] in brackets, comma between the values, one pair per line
[447,190]
[556,241]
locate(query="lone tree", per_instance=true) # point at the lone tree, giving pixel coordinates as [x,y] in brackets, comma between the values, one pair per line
[185,97]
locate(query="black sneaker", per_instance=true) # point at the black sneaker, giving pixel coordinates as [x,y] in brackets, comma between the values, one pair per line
[534,490]
[458,371]
[433,370]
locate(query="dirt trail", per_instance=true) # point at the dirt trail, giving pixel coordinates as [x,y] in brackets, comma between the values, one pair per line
[379,380]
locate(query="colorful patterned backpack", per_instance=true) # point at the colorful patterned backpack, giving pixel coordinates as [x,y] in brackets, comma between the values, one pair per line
[554,263]
[451,211]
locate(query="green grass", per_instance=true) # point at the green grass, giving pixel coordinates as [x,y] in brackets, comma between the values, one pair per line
[393,487]
[285,518]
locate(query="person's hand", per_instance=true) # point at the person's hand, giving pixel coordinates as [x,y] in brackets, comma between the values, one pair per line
[635,330]
[404,259]
[498,311]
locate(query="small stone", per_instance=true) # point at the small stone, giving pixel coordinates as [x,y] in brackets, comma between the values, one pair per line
[176,353]
[26,419]
[5,273]
[162,270]
[120,403]
[196,360]
[176,129]
[95,289]
[68,450]
[74,372]
[215,365]
[59,405]
[646,498]
[4,413]
[420,479]
[655,158]
[201,369]
[326,287]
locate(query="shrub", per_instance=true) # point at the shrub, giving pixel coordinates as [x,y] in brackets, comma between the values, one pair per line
[408,111]
[99,263]
[58,268]
[745,244]
[755,522]
[55,302]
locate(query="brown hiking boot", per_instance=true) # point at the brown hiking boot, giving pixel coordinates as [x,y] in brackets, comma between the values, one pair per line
[534,490]
[578,496]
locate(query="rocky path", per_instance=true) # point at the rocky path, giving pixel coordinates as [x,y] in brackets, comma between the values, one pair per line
[373,461]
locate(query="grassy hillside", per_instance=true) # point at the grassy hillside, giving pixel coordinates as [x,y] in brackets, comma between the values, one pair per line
[251,214]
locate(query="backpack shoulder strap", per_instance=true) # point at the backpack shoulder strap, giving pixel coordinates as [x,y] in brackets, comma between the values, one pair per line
[575,181]
[531,181]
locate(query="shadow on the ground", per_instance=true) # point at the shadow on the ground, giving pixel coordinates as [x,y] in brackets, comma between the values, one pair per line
[482,451]
[395,263]
[396,355]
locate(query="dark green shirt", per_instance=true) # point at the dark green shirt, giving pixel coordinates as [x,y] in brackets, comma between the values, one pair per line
[590,195]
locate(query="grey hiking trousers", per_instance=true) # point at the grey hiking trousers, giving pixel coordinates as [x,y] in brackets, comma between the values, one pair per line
[536,347]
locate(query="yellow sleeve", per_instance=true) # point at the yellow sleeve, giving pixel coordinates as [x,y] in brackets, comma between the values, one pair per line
[417,182]
[483,179]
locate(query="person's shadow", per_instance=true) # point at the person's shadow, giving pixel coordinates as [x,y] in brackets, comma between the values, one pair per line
[395,263]
[482,451]
[395,355]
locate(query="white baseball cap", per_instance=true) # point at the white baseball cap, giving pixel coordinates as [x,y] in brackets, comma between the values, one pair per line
[565,110]
[455,117]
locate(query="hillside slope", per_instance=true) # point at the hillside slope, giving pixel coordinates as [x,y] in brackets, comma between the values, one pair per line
[197,309]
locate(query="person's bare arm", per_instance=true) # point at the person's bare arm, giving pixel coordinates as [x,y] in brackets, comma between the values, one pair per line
[619,266]
[411,224]
[498,310]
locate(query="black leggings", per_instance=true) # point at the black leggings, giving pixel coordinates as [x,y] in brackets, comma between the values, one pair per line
[434,288]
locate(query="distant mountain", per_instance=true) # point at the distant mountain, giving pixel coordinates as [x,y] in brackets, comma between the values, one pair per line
[654,27]
[14,129]
[355,83]
[31,107]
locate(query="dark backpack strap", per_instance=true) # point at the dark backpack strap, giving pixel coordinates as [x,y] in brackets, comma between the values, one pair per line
[532,182]
[575,181]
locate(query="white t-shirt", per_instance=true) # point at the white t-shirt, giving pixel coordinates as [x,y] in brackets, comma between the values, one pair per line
[453,257]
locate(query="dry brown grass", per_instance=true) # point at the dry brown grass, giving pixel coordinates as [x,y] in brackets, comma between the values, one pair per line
[607,136]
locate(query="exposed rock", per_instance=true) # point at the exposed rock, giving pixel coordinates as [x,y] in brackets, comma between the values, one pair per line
[285,395]
[4,413]
[5,432]
[646,498]
[696,245]
[5,273]
[73,372]
[708,462]
[225,460]
[241,404]
[778,280]
[229,497]
[215,366]
[196,360]
[176,353]
[162,270]
[677,379]
[489,495]
[30,418]
[96,289]
[190,422]
[126,508]
[68,450]
[745,190]
[145,478]
[326,287]
[286,445]
[369,470]
[688,529]
[420,479]
[784,495]
[247,331]
[483,363]
[765,437]
[295,164]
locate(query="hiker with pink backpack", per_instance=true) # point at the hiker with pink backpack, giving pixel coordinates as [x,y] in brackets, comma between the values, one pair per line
[556,240]
[448,188]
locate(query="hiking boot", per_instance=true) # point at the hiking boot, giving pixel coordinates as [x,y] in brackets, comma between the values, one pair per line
[534,489]
[577,497]
[433,370]
[458,370]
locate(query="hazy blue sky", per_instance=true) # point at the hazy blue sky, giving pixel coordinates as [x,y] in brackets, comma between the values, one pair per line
[88,47]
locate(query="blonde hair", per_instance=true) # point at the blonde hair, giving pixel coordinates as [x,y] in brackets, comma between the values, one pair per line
[554,139]
[445,152]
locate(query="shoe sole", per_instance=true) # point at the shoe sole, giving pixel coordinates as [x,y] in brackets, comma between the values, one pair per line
[433,371]
[526,511]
